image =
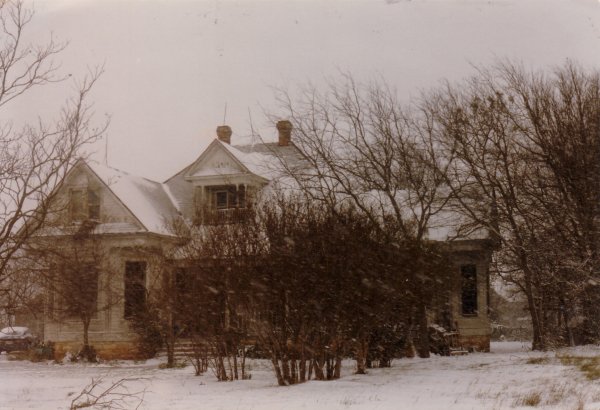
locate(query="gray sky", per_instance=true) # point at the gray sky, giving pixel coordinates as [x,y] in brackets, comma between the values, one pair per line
[171,66]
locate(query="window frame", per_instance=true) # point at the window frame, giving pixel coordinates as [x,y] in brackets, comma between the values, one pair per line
[134,289]
[219,193]
[77,204]
[93,204]
[88,201]
[469,290]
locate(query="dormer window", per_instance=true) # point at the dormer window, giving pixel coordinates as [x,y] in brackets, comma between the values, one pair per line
[84,204]
[221,204]
[229,198]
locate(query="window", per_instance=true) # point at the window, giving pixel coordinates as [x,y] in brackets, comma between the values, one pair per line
[84,204]
[221,204]
[93,204]
[77,205]
[135,288]
[221,199]
[229,197]
[241,196]
[469,289]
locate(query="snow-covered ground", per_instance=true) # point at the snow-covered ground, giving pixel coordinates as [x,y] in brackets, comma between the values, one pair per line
[507,378]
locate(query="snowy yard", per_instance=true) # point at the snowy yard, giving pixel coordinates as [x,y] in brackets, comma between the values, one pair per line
[509,377]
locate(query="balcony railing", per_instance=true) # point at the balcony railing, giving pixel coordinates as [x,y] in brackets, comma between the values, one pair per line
[224,216]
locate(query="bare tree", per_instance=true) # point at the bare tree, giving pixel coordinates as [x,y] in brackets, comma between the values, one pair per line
[326,283]
[529,142]
[35,158]
[75,271]
[201,296]
[363,148]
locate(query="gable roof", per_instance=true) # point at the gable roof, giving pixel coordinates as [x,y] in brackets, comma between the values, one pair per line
[150,202]
[247,163]
[256,162]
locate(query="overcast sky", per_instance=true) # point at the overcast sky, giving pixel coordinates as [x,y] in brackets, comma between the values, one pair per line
[172,66]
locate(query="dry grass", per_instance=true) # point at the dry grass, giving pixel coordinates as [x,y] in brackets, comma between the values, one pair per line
[538,360]
[590,366]
[531,399]
[560,393]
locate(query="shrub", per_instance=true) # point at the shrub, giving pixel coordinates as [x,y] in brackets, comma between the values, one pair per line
[148,328]
[45,351]
[87,354]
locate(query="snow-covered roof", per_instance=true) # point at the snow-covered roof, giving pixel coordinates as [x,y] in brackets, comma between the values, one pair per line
[14,330]
[275,154]
[154,203]
[149,201]
[263,160]
[255,162]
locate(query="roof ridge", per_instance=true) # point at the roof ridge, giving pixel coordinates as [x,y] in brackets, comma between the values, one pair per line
[129,174]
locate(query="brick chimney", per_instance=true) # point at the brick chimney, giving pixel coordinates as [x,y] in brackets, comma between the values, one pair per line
[224,133]
[284,128]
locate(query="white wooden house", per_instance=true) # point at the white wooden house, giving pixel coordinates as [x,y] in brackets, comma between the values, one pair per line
[133,215]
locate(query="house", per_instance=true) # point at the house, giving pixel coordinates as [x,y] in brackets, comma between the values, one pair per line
[132,216]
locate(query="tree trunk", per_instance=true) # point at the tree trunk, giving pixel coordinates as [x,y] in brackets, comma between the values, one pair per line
[538,338]
[243,365]
[294,372]
[280,380]
[338,367]
[302,364]
[423,330]
[361,355]
[285,369]
[235,366]
[318,367]
[87,353]
[566,317]
[170,342]
[329,367]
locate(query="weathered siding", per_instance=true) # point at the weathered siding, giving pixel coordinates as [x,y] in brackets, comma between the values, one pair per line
[111,209]
[475,330]
[109,332]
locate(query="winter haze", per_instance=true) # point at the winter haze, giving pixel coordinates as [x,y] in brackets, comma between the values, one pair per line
[171,67]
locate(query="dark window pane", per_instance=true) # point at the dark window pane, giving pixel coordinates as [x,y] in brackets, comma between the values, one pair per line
[93,202]
[221,198]
[135,288]
[232,195]
[241,196]
[469,289]
[77,205]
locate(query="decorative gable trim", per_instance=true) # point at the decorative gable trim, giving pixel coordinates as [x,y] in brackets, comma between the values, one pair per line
[215,146]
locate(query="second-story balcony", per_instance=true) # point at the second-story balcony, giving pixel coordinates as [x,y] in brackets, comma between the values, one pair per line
[224,216]
[222,204]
